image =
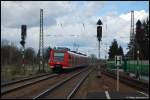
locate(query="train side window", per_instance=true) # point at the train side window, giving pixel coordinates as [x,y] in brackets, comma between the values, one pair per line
[69,56]
[77,60]
[74,60]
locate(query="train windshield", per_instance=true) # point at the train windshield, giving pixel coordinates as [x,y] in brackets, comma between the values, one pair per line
[58,56]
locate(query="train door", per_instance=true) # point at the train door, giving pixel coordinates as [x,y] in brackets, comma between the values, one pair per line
[70,60]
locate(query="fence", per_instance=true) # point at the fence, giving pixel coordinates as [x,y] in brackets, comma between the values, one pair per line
[131,66]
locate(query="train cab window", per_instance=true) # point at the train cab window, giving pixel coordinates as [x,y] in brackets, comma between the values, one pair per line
[58,56]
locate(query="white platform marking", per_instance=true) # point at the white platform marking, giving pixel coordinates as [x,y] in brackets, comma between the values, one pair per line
[107,95]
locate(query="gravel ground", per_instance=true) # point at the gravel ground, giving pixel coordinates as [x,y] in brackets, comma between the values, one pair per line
[63,91]
[95,84]
[91,84]
[35,89]
[10,87]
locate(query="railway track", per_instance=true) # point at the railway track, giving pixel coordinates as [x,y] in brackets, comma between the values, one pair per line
[32,88]
[96,88]
[64,86]
[16,85]
[70,84]
[21,80]
[129,81]
[72,93]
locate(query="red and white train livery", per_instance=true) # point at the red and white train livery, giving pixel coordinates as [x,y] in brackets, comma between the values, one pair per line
[64,59]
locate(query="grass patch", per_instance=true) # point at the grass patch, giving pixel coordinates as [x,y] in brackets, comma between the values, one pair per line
[11,72]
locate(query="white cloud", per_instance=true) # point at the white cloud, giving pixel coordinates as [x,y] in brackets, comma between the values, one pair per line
[71,15]
[29,12]
[142,14]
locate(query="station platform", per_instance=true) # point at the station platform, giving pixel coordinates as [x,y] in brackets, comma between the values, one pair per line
[116,95]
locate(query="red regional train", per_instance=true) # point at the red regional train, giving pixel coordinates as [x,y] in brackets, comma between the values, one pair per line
[61,60]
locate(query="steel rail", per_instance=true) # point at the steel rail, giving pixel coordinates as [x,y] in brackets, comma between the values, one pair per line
[72,93]
[129,81]
[46,92]
[22,80]
[27,84]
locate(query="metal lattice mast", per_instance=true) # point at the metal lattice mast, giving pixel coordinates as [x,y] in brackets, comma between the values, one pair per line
[132,34]
[41,42]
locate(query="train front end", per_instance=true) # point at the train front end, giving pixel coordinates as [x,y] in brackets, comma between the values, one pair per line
[58,60]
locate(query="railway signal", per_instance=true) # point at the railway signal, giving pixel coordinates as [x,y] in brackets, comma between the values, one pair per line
[22,42]
[99,36]
[23,35]
[118,63]
[137,72]
[99,30]
[23,32]
[99,33]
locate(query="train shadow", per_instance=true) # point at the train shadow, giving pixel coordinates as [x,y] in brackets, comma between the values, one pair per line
[65,71]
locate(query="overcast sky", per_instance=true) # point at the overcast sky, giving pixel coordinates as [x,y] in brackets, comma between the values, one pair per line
[71,22]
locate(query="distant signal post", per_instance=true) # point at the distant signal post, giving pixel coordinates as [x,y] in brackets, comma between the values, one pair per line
[118,63]
[99,36]
[22,42]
